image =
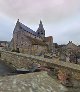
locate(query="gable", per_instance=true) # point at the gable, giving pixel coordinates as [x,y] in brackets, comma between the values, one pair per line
[71,46]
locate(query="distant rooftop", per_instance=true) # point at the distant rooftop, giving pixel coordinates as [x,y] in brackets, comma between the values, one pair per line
[3,41]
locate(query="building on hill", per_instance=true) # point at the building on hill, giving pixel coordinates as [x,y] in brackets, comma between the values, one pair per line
[71,46]
[4,45]
[70,53]
[28,41]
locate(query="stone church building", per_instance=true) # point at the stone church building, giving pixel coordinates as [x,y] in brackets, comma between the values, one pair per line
[28,41]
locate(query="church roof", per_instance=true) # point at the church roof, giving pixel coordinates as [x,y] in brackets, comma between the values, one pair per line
[25,28]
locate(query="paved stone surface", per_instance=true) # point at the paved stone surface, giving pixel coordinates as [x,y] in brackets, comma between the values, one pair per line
[33,82]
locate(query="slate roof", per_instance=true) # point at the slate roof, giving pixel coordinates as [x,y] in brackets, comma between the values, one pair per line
[3,42]
[25,28]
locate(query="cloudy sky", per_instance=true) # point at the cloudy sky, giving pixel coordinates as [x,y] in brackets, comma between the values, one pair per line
[61,18]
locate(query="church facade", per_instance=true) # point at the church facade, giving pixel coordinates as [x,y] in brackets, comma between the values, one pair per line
[28,41]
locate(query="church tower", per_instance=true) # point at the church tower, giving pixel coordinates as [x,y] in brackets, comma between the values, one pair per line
[40,31]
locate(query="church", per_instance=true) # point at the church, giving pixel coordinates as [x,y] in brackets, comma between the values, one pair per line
[25,40]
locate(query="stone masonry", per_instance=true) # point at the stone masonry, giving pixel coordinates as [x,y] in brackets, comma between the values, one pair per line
[19,61]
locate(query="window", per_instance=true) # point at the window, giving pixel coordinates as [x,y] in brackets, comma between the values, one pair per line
[38,33]
[21,44]
[20,27]
[41,33]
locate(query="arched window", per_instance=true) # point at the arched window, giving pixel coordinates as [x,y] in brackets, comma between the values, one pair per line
[38,33]
[20,27]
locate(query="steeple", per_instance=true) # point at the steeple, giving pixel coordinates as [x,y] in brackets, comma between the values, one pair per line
[17,26]
[17,21]
[40,25]
[40,30]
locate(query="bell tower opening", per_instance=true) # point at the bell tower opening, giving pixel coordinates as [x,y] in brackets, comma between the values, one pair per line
[40,31]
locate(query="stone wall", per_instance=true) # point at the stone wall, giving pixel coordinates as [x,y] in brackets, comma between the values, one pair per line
[18,61]
[34,50]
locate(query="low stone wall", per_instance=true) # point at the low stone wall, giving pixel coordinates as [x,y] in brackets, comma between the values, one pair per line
[18,61]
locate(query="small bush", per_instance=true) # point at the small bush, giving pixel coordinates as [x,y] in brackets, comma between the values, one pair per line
[15,51]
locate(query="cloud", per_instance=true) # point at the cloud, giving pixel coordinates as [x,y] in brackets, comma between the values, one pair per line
[48,10]
[6,28]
